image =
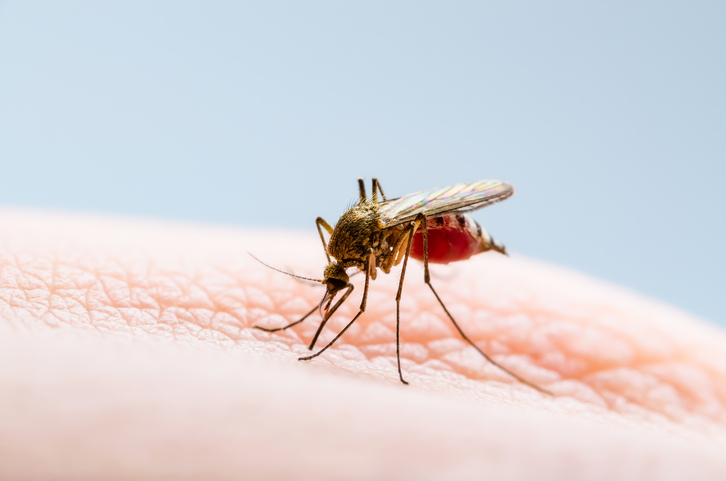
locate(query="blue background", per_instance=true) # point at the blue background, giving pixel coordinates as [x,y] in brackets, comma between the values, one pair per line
[609,119]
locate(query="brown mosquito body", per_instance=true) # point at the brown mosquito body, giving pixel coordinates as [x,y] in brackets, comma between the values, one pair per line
[377,233]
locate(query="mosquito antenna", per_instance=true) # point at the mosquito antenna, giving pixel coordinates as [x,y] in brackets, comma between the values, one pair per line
[283,272]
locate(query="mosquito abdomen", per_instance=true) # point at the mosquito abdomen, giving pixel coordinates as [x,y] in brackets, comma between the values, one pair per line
[451,238]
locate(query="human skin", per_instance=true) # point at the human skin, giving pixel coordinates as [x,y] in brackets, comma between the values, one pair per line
[128,352]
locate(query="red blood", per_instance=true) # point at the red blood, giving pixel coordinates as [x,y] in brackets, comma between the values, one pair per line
[449,241]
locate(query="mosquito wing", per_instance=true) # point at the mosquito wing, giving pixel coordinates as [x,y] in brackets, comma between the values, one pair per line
[457,198]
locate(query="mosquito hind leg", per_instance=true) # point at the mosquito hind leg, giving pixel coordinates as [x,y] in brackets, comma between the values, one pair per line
[427,280]
[376,186]
[362,190]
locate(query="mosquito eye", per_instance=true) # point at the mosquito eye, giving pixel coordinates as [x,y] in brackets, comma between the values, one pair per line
[336,284]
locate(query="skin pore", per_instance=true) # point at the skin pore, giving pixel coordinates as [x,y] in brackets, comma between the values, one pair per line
[128,351]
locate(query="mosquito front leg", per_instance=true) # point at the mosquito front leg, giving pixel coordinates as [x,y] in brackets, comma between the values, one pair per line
[340,302]
[427,280]
[321,223]
[337,304]
[289,325]
[328,314]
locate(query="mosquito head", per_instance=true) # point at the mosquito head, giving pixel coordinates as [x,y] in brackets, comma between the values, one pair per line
[335,278]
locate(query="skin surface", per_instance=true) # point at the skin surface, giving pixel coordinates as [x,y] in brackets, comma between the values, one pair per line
[127,352]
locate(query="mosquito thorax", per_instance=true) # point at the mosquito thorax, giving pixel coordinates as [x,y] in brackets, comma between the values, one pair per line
[356,232]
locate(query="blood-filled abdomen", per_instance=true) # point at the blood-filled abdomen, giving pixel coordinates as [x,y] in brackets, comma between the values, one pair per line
[452,238]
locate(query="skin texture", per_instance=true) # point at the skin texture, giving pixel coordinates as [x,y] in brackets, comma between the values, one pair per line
[127,351]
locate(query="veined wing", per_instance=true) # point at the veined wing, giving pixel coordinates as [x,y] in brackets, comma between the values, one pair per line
[444,200]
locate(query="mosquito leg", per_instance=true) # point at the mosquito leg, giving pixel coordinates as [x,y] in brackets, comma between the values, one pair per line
[372,265]
[396,255]
[289,325]
[337,304]
[317,333]
[329,314]
[412,230]
[427,280]
[399,248]
[313,356]
[362,190]
[377,186]
[322,224]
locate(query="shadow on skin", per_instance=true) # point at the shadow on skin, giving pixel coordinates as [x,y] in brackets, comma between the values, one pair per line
[133,354]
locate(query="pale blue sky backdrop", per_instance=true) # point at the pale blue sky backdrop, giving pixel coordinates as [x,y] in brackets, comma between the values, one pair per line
[608,117]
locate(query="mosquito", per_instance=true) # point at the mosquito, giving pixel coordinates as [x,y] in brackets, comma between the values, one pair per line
[376,233]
